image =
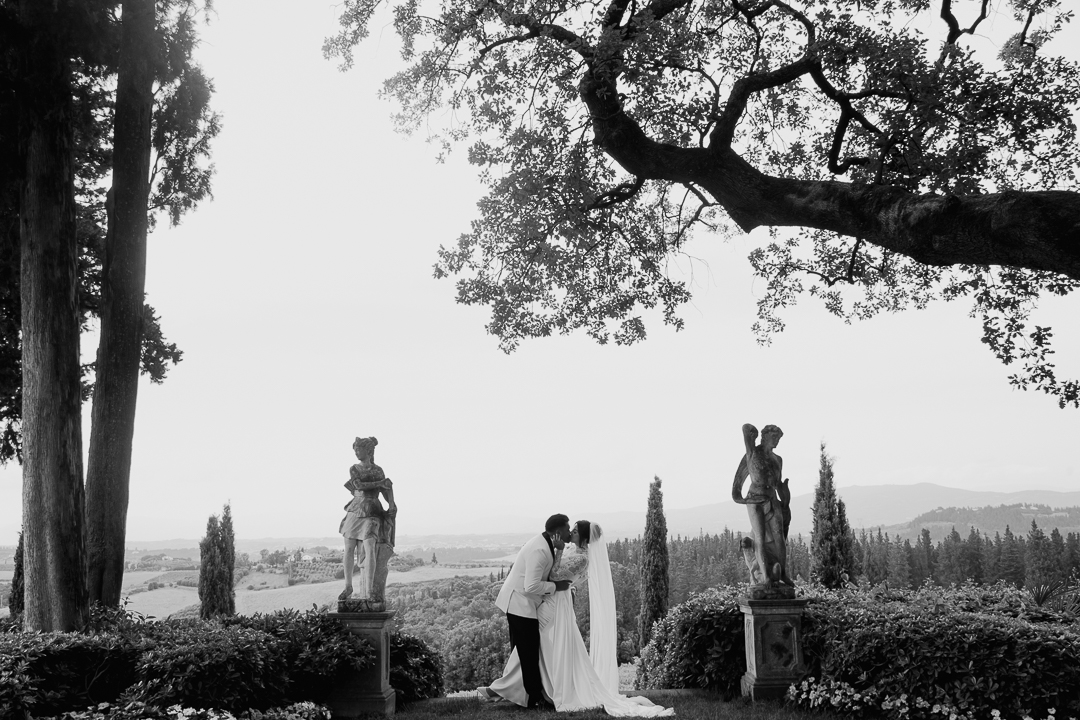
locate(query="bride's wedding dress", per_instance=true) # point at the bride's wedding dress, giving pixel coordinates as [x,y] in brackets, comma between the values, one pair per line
[574,678]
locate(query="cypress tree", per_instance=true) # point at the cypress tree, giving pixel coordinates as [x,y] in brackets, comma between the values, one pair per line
[17,600]
[228,560]
[216,562]
[654,564]
[831,556]
[923,561]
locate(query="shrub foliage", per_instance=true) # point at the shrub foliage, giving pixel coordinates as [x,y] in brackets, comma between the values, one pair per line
[245,663]
[961,648]
[970,650]
[698,644]
[415,669]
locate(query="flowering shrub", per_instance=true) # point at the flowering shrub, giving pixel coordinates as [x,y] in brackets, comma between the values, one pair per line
[142,711]
[962,653]
[698,644]
[957,653]
[834,695]
[842,698]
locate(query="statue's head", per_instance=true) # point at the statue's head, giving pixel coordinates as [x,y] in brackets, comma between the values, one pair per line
[772,432]
[365,447]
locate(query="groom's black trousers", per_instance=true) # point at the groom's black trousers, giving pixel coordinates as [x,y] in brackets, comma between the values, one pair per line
[525,636]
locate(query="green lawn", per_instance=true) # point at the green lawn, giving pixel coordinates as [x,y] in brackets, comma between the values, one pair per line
[688,704]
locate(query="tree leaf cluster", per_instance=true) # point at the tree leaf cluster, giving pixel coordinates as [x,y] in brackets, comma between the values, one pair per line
[912,164]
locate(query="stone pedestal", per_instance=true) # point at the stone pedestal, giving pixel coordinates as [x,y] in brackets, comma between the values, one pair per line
[774,657]
[367,691]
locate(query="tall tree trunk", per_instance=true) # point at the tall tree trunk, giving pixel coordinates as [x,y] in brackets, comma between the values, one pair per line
[122,292]
[54,566]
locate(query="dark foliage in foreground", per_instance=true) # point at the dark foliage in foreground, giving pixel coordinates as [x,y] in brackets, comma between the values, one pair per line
[976,649]
[249,662]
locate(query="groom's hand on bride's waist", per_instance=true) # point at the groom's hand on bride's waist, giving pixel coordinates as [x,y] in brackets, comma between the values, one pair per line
[561,585]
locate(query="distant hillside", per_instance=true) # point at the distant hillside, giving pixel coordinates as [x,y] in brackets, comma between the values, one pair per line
[989,520]
[868,506]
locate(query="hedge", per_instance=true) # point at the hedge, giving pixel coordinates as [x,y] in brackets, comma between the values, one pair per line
[935,652]
[698,644]
[971,652]
[245,663]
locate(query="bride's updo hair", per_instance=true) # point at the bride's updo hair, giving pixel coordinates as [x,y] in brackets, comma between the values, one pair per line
[586,531]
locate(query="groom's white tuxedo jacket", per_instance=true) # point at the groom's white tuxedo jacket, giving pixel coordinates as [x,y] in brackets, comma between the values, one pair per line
[526,584]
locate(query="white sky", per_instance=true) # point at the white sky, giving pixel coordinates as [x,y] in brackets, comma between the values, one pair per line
[303,299]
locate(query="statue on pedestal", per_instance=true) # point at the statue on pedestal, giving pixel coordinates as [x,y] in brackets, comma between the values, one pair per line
[768,502]
[369,528]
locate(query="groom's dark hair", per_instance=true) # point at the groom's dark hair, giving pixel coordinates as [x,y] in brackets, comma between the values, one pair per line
[555,522]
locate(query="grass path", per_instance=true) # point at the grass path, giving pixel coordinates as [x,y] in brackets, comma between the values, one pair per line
[688,704]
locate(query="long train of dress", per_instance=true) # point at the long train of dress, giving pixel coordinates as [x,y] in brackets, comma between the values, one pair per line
[569,679]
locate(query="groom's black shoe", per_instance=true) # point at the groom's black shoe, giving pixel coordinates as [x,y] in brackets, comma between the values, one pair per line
[542,705]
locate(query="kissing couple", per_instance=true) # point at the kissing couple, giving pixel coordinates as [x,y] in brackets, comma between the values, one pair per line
[549,666]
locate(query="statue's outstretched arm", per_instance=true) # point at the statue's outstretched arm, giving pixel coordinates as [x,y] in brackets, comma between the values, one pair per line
[740,476]
[750,434]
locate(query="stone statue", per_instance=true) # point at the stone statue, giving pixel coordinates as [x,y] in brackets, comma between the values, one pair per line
[369,528]
[768,502]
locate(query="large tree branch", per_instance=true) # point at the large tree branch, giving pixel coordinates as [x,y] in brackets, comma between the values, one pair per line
[1034,230]
[955,31]
[724,132]
[560,34]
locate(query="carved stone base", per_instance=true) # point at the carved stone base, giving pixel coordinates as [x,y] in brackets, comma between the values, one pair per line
[775,592]
[774,657]
[359,605]
[368,691]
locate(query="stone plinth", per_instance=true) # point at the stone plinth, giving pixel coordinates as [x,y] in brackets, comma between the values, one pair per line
[774,657]
[367,691]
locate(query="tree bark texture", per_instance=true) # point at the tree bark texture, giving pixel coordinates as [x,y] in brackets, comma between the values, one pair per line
[122,300]
[53,506]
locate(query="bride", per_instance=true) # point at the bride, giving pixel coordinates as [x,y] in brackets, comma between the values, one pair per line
[575,678]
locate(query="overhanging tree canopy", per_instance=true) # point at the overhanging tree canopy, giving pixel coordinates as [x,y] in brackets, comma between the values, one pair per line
[912,166]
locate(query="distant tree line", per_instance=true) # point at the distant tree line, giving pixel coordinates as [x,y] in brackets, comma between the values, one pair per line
[1026,561]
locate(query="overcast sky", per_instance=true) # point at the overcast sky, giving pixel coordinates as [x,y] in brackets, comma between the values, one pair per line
[303,299]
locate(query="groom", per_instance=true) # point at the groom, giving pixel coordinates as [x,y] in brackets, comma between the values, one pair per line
[525,587]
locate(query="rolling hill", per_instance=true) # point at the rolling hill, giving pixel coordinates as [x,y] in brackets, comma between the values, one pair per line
[868,506]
